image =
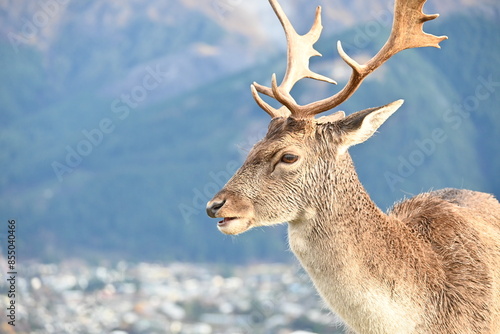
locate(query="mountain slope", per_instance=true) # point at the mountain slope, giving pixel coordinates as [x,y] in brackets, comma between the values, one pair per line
[111,143]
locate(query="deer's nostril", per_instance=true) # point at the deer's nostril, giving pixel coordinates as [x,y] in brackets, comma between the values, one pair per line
[213,207]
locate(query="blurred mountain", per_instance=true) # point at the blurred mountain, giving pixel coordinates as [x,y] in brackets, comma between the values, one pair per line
[119,120]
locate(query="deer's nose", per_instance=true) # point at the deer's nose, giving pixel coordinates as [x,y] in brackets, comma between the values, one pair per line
[214,206]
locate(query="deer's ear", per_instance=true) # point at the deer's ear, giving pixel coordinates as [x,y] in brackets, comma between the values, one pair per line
[358,127]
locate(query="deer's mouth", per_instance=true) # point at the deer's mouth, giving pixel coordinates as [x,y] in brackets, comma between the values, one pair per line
[226,221]
[234,225]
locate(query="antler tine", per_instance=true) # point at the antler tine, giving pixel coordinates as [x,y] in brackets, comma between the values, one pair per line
[407,29]
[407,32]
[300,49]
[273,112]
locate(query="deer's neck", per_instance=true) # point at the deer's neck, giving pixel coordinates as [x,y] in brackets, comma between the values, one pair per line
[355,254]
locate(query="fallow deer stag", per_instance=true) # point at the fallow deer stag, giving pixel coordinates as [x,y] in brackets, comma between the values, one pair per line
[430,265]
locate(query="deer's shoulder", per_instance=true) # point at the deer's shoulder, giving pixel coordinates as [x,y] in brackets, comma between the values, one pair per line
[445,209]
[442,219]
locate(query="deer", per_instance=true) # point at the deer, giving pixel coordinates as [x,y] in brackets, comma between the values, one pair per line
[430,264]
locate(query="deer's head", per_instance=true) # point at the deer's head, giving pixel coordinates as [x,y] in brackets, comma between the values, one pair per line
[280,178]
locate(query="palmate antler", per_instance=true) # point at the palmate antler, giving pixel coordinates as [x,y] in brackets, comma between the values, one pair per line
[407,32]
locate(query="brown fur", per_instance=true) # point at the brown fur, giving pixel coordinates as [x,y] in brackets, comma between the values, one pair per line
[462,228]
[431,265]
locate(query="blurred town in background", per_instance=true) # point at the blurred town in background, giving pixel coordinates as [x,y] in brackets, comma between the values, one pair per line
[178,298]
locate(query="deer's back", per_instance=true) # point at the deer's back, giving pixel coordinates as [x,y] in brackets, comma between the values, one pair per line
[462,228]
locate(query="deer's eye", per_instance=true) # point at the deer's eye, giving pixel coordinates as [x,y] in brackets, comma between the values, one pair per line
[289,158]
